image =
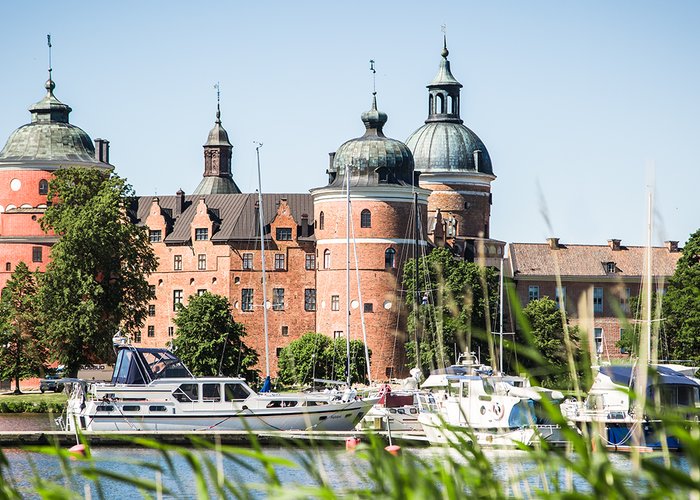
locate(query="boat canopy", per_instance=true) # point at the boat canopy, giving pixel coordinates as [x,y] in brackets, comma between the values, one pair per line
[658,375]
[142,365]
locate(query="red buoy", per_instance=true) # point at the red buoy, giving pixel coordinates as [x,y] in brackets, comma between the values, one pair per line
[394,449]
[77,450]
[351,443]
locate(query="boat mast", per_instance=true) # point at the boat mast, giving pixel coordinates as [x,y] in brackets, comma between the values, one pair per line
[264,277]
[415,276]
[500,319]
[647,326]
[347,272]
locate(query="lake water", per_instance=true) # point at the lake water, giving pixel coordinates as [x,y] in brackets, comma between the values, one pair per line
[341,468]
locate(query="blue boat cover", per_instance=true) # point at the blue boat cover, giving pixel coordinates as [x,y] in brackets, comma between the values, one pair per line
[657,375]
[267,385]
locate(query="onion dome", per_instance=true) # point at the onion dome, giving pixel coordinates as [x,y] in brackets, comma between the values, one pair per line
[49,137]
[444,143]
[218,135]
[373,158]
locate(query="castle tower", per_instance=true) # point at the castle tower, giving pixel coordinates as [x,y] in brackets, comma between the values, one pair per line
[32,153]
[217,162]
[455,166]
[382,184]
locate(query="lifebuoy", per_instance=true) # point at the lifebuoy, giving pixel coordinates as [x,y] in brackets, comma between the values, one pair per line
[498,410]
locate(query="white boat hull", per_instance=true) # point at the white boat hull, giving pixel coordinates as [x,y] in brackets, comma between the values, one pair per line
[438,432]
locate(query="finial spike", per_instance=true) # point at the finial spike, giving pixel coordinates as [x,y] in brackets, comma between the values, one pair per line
[445,52]
[218,102]
[48,41]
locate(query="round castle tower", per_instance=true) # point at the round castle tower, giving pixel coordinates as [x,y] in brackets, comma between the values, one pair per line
[382,186]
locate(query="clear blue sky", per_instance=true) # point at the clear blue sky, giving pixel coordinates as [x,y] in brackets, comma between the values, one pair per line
[581,105]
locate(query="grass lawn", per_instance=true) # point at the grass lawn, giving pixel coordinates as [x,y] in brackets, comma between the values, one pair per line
[32,402]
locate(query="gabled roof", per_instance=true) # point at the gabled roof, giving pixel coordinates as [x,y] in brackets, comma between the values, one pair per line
[234,215]
[539,259]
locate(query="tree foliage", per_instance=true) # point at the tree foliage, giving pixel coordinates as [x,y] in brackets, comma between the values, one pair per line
[540,334]
[22,352]
[682,304]
[96,282]
[210,342]
[315,355]
[458,300]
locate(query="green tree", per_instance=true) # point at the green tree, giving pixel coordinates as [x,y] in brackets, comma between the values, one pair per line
[304,359]
[95,284]
[541,334]
[21,345]
[682,304]
[210,342]
[458,300]
[315,355]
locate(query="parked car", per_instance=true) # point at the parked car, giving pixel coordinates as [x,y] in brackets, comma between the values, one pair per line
[51,383]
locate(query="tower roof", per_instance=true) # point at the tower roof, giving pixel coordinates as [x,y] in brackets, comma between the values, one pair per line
[50,137]
[444,144]
[218,135]
[218,151]
[372,158]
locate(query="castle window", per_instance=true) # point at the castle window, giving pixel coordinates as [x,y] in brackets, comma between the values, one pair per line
[327,259]
[278,299]
[154,235]
[247,261]
[560,292]
[201,234]
[171,331]
[598,337]
[201,291]
[310,299]
[321,220]
[279,262]
[440,103]
[202,262]
[284,234]
[285,331]
[430,105]
[177,262]
[37,254]
[338,334]
[151,310]
[597,300]
[390,258]
[610,267]
[43,186]
[310,262]
[533,293]
[137,339]
[8,266]
[335,302]
[151,331]
[368,307]
[247,299]
[366,218]
[177,299]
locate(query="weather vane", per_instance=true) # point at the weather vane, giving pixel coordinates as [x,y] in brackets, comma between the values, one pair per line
[374,76]
[218,100]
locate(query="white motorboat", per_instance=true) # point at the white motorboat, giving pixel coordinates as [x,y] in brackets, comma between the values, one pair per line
[609,412]
[152,390]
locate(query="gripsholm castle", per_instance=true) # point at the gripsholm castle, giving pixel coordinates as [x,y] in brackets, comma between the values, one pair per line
[433,189]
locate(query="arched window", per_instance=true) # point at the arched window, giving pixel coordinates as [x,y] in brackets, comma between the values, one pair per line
[390,258]
[431,111]
[321,220]
[366,218]
[327,259]
[440,104]
[450,104]
[43,186]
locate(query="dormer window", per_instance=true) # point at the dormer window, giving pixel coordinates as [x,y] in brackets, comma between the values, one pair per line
[155,235]
[284,234]
[610,267]
[201,234]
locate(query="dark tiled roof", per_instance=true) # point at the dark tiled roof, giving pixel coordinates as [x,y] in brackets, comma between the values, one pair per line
[538,259]
[234,215]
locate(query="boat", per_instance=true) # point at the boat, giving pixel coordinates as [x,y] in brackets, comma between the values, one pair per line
[152,390]
[494,410]
[609,412]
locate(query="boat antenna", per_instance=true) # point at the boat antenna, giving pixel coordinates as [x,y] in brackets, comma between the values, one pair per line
[266,384]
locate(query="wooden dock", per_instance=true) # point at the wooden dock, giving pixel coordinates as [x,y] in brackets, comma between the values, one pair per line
[10,439]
